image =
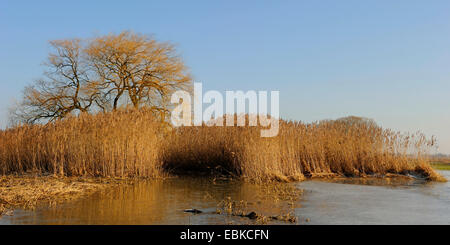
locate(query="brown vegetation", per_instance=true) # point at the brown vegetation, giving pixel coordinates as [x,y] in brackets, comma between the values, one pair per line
[132,144]
[119,144]
[89,84]
[28,191]
[346,147]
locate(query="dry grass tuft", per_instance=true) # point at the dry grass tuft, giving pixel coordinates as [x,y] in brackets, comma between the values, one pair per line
[28,191]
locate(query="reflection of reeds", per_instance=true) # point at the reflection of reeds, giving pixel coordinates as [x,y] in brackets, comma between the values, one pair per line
[131,143]
[164,201]
[284,196]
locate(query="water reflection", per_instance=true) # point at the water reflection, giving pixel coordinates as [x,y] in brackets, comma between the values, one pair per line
[400,181]
[338,201]
[162,202]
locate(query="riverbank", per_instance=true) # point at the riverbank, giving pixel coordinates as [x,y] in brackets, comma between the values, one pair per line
[227,200]
[387,200]
[133,144]
[440,164]
[30,191]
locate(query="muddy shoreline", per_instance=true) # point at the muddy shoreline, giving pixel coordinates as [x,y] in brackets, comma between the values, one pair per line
[30,191]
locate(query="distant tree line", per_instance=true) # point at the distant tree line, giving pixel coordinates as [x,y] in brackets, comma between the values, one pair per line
[103,74]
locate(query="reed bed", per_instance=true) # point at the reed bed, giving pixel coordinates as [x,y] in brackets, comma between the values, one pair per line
[119,144]
[352,148]
[133,144]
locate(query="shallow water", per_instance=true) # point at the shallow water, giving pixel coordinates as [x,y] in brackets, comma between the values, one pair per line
[349,201]
[413,202]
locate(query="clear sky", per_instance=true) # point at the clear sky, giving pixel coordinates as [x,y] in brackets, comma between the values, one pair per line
[386,60]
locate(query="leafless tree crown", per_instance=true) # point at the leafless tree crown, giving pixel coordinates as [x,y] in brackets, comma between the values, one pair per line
[103,74]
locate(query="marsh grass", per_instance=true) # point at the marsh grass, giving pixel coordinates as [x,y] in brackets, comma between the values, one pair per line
[349,148]
[120,144]
[133,144]
[28,191]
[440,164]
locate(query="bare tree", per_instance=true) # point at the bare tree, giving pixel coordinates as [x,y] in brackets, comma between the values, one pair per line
[104,73]
[66,88]
[354,121]
[138,67]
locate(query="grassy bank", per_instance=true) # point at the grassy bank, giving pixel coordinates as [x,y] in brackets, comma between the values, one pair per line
[28,191]
[440,164]
[133,144]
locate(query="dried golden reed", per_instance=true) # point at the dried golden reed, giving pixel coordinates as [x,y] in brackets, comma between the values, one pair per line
[133,144]
[327,148]
[119,144]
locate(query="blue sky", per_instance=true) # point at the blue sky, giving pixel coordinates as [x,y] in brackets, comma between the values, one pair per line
[387,60]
